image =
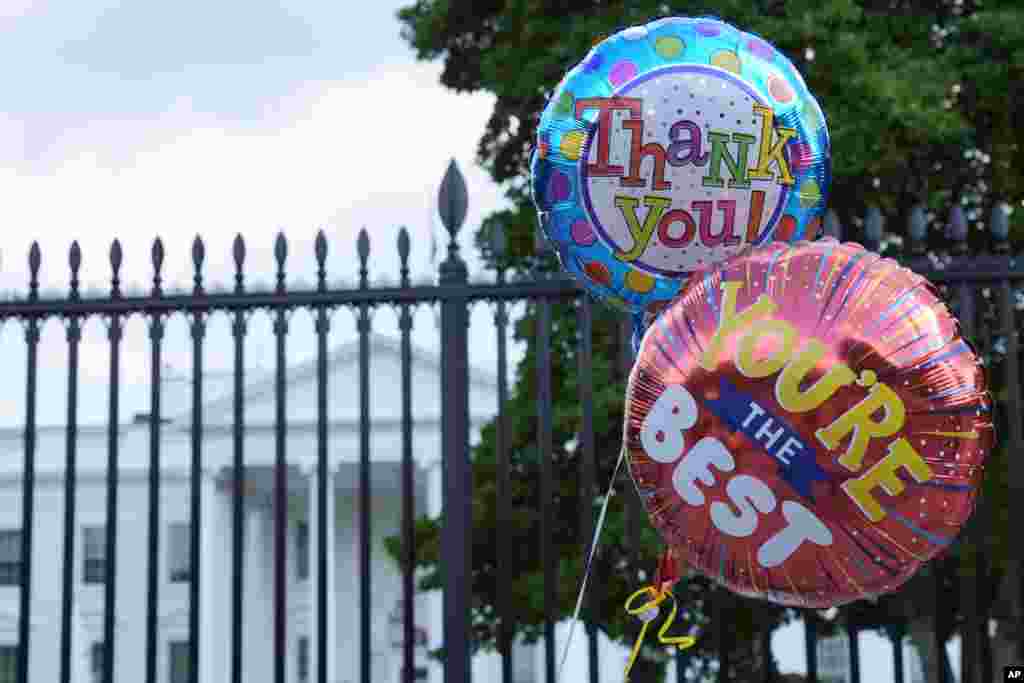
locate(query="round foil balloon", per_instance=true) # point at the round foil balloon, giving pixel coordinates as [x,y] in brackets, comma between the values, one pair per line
[805,423]
[670,147]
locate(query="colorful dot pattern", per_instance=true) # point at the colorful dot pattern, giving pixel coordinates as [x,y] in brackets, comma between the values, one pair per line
[618,60]
[726,59]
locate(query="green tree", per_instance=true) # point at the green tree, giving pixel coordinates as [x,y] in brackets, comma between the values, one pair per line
[923,101]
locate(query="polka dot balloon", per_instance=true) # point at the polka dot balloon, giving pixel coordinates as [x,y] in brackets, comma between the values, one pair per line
[669,148]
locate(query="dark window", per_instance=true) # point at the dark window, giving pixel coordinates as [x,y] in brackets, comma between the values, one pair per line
[180,663]
[302,550]
[303,659]
[96,662]
[179,553]
[95,554]
[8,663]
[10,557]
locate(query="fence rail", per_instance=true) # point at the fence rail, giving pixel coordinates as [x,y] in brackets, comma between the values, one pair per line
[981,287]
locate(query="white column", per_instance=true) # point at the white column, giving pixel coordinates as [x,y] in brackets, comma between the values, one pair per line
[330,604]
[346,610]
[79,647]
[267,594]
[251,574]
[433,471]
[357,540]
[257,618]
[212,527]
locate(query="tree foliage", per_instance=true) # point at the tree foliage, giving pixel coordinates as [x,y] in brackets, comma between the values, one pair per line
[923,100]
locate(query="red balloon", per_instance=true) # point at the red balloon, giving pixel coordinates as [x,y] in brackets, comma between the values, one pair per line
[805,423]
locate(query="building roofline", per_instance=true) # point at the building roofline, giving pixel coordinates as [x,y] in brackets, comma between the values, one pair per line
[340,356]
[386,424]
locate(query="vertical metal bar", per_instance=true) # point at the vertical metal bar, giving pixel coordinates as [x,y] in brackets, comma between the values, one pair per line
[280,495]
[322,327]
[456,538]
[939,607]
[156,333]
[238,329]
[1015,445]
[28,501]
[588,464]
[503,493]
[985,334]
[721,610]
[110,591]
[74,336]
[408,481]
[457,533]
[768,673]
[854,648]
[156,336]
[682,661]
[635,514]
[280,504]
[988,656]
[548,554]
[896,635]
[811,646]
[408,504]
[625,345]
[198,333]
[970,652]
[408,500]
[114,334]
[365,542]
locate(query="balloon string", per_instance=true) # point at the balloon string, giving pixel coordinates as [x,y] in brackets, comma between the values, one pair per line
[648,612]
[590,561]
[682,642]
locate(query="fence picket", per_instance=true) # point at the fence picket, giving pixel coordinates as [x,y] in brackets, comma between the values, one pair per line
[114,334]
[74,337]
[504,477]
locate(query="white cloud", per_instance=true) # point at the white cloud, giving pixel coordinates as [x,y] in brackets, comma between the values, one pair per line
[15,9]
[139,39]
[341,154]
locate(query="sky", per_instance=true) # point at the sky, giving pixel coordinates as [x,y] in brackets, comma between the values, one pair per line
[146,118]
[142,119]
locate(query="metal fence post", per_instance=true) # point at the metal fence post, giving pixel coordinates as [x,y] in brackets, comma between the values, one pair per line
[1014,410]
[853,644]
[365,471]
[811,645]
[28,481]
[896,632]
[456,540]
[874,229]
[503,492]
[548,554]
[971,583]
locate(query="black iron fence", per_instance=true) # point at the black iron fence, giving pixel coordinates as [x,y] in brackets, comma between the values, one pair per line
[984,288]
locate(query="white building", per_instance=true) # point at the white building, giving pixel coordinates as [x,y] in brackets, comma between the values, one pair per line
[834,659]
[914,666]
[216,533]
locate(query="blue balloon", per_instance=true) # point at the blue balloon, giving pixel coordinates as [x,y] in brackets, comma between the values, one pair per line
[671,147]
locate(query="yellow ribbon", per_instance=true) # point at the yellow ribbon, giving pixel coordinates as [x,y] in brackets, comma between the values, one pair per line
[658,597]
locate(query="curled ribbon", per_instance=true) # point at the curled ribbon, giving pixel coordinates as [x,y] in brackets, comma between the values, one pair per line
[647,613]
